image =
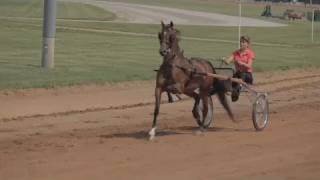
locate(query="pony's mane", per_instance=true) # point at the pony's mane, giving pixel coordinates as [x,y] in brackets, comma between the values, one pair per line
[178,34]
[176,31]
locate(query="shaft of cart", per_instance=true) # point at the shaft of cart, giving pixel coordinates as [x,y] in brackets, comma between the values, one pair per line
[232,79]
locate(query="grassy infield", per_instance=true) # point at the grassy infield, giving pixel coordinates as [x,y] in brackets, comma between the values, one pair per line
[85,56]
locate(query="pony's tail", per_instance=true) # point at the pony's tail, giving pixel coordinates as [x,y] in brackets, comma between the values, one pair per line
[220,91]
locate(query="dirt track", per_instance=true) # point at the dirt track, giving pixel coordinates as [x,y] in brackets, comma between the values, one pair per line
[100,133]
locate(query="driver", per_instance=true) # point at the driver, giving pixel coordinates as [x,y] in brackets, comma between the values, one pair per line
[242,59]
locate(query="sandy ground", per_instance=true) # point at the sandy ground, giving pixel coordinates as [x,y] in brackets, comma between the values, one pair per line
[100,132]
[146,14]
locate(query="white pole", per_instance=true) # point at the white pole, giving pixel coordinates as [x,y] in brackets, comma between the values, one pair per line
[312,25]
[239,25]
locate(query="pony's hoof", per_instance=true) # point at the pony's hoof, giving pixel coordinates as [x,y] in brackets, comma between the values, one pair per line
[199,132]
[151,138]
[152,134]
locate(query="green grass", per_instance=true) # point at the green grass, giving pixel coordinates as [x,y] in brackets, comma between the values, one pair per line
[85,56]
[65,10]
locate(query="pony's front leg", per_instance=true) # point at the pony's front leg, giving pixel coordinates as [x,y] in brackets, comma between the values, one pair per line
[152,132]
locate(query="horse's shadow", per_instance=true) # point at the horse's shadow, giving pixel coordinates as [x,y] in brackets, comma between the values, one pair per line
[139,134]
[225,129]
[215,129]
[143,135]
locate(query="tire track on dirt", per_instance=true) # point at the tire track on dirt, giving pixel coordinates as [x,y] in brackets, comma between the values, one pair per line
[88,110]
[271,87]
[288,84]
[300,85]
[287,79]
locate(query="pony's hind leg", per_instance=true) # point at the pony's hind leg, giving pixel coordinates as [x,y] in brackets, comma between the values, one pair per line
[170,98]
[173,98]
[204,98]
[197,97]
[196,102]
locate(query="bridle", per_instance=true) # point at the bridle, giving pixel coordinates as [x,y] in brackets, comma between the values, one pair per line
[166,38]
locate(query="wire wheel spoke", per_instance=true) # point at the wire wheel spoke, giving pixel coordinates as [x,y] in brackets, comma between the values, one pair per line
[260,113]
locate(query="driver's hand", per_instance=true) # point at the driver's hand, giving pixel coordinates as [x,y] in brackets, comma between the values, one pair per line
[239,63]
[224,60]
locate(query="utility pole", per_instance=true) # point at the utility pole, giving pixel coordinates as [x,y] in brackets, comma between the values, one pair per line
[239,25]
[312,25]
[49,31]
[312,21]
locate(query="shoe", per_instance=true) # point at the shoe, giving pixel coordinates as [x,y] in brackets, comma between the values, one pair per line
[235,95]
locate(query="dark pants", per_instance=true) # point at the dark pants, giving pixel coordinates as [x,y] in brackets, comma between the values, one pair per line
[245,76]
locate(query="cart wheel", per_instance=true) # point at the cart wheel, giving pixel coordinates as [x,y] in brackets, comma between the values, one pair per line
[205,122]
[260,112]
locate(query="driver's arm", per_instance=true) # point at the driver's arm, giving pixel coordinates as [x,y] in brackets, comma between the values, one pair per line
[228,60]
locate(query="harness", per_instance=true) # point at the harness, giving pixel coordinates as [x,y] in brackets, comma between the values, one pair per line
[188,69]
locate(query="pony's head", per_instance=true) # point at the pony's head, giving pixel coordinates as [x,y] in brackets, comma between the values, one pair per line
[168,38]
